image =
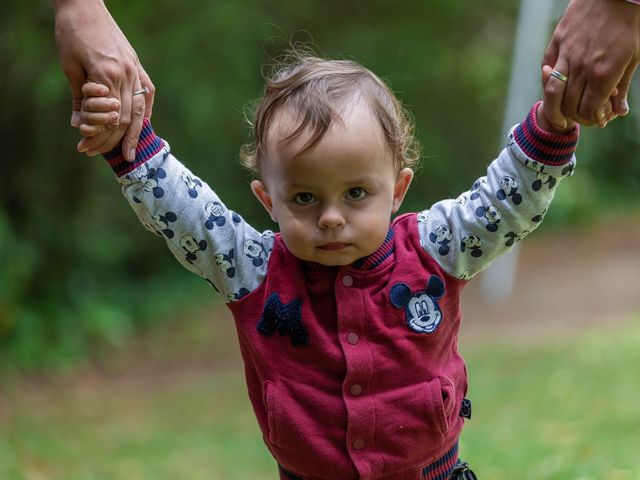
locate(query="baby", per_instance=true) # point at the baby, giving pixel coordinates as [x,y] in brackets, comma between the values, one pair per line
[347,320]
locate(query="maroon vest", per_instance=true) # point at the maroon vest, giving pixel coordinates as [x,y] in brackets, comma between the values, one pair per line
[355,372]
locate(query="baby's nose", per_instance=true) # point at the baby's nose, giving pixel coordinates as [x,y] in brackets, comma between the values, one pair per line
[331,217]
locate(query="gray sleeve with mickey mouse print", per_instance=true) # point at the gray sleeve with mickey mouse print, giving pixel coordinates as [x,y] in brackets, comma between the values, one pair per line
[466,234]
[202,233]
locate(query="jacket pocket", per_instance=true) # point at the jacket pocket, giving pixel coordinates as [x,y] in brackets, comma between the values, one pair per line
[439,402]
[413,421]
[306,432]
[268,392]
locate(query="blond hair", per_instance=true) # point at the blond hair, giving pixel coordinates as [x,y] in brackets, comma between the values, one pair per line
[313,88]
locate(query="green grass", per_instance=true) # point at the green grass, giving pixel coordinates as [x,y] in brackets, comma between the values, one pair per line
[565,409]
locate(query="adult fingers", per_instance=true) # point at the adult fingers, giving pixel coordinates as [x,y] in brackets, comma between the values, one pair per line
[619,99]
[127,87]
[551,53]
[574,94]
[130,141]
[145,80]
[554,91]
[597,91]
[76,77]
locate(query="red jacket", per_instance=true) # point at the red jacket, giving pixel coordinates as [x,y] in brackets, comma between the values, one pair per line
[370,352]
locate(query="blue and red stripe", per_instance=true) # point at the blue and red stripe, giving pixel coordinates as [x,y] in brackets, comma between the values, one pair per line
[376,258]
[549,148]
[149,144]
[441,468]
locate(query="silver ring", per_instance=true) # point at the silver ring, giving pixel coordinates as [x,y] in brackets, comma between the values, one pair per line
[145,90]
[560,76]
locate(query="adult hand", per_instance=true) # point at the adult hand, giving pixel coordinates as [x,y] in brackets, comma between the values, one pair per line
[92,47]
[597,46]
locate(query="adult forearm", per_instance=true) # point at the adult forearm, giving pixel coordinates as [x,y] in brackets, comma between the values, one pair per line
[57,4]
[83,5]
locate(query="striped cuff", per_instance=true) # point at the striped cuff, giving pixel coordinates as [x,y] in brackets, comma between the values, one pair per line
[545,147]
[441,469]
[148,145]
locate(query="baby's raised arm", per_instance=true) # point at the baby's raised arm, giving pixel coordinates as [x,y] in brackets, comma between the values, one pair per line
[204,235]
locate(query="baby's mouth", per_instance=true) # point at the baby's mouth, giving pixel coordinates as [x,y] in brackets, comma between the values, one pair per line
[333,246]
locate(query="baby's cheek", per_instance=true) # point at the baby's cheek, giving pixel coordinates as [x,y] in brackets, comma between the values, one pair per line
[373,229]
[295,236]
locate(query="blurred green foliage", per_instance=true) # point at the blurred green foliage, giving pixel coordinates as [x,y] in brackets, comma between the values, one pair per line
[77,271]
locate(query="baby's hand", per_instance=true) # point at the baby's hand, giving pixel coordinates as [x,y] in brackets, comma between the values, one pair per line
[551,118]
[554,125]
[98,112]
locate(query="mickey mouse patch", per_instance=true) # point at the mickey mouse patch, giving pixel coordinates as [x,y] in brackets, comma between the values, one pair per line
[421,308]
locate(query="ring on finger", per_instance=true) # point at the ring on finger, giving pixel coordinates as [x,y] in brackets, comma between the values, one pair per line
[142,91]
[560,76]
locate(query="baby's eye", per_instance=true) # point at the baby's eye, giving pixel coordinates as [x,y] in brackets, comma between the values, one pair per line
[356,193]
[304,198]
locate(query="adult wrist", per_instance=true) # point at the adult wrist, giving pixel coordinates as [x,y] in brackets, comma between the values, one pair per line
[60,4]
[632,11]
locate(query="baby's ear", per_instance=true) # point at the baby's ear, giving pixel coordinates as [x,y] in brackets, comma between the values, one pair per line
[403,180]
[259,189]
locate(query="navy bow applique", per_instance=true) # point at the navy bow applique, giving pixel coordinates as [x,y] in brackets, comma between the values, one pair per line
[283,318]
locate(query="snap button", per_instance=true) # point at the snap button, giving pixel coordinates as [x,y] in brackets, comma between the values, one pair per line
[352,338]
[355,389]
[358,444]
[347,280]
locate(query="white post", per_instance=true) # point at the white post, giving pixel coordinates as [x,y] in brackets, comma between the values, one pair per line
[532,36]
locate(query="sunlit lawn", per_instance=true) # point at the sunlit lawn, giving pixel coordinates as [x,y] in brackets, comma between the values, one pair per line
[565,409]
[568,409]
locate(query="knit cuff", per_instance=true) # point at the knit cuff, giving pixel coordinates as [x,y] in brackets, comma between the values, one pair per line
[148,145]
[542,146]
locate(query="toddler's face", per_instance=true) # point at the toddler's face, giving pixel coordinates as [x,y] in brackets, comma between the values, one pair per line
[333,203]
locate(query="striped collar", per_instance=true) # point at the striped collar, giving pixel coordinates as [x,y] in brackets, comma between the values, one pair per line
[376,258]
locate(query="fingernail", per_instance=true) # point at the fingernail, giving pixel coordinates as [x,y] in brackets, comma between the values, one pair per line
[624,105]
[132,154]
[560,126]
[75,119]
[600,115]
